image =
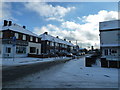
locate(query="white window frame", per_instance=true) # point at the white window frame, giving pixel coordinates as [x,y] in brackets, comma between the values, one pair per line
[20,50]
[24,37]
[31,38]
[36,39]
[7,51]
[52,44]
[16,35]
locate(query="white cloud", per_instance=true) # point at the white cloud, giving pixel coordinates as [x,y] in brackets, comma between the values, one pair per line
[102,15]
[49,11]
[86,34]
[5,10]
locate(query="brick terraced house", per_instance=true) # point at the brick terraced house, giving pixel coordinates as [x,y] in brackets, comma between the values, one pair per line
[17,41]
[55,45]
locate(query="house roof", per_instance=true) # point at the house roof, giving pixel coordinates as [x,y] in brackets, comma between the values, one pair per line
[110,45]
[54,39]
[17,28]
[106,25]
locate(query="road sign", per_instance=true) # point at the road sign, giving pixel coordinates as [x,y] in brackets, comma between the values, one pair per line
[14,41]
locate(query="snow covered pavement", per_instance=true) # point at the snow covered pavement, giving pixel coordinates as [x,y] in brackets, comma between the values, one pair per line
[7,62]
[72,74]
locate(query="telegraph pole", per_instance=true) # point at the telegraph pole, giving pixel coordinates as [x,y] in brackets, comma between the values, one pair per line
[76,42]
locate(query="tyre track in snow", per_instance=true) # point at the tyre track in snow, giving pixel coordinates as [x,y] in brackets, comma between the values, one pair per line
[16,72]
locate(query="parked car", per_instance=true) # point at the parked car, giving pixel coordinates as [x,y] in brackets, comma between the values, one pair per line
[69,55]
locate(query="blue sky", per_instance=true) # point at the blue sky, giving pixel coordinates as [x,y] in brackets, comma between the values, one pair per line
[27,17]
[67,20]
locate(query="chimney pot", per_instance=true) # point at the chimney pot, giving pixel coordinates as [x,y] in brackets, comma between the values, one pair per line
[5,22]
[64,39]
[24,27]
[57,37]
[46,33]
[10,23]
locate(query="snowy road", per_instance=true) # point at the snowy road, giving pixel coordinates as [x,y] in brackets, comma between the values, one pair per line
[71,74]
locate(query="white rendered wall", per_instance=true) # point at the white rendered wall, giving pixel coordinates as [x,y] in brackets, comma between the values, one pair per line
[13,51]
[109,38]
[37,45]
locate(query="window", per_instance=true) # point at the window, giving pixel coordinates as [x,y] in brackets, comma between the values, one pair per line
[36,39]
[31,38]
[65,46]
[106,52]
[8,50]
[48,43]
[62,45]
[110,51]
[16,35]
[32,49]
[57,44]
[24,37]
[114,51]
[20,49]
[52,43]
[1,34]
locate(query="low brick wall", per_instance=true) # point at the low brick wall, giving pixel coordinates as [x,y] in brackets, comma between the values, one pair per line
[16,72]
[109,64]
[104,62]
[90,60]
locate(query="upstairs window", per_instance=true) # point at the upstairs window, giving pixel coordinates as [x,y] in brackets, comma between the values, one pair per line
[16,35]
[36,39]
[31,38]
[48,43]
[24,37]
[52,43]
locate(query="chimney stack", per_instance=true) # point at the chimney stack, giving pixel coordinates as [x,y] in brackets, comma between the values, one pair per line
[24,27]
[5,22]
[10,23]
[57,37]
[46,33]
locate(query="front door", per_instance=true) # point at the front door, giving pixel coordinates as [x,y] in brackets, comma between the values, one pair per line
[37,51]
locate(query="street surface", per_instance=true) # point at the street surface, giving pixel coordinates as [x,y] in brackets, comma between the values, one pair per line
[72,74]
